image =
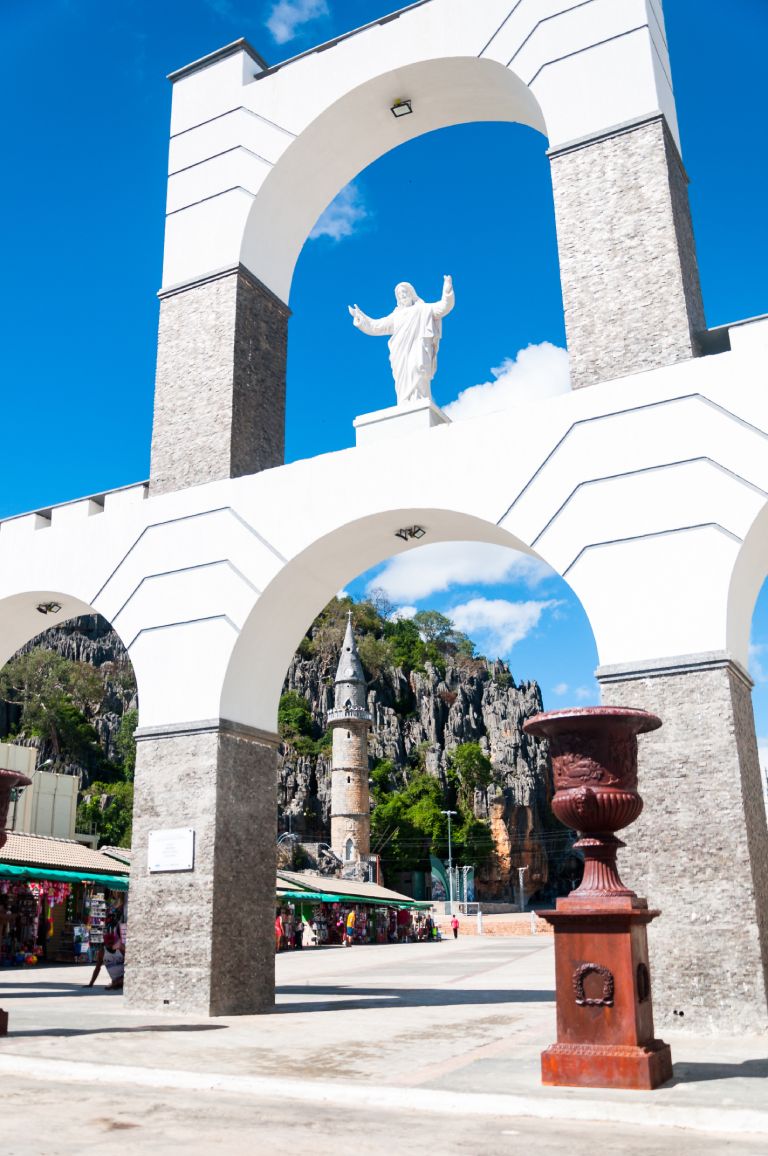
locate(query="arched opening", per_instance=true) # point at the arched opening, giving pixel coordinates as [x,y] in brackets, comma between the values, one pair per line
[471,200]
[358,128]
[471,153]
[425,707]
[68,714]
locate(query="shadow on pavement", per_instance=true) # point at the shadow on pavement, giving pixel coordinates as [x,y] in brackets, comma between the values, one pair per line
[376,998]
[117,1031]
[692,1073]
[31,990]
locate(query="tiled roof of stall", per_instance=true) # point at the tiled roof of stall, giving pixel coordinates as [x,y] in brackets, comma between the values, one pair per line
[62,854]
[332,885]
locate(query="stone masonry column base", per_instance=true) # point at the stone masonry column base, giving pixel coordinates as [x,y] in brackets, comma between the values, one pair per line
[202,941]
[699,851]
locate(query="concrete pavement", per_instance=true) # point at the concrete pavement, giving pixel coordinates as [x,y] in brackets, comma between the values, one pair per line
[438,1036]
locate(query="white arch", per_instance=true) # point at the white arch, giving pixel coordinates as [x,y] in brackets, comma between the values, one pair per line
[20,620]
[356,130]
[257,153]
[279,619]
[747,577]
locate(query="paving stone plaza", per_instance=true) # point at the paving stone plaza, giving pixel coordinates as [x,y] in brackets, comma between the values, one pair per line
[366,1050]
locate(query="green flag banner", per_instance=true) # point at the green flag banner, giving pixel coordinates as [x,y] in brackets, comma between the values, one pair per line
[440,888]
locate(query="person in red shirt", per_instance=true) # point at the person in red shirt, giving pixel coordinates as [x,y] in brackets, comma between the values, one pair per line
[455,927]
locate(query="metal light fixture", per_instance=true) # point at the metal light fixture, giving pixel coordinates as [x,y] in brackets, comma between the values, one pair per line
[401,108]
[407,532]
[48,607]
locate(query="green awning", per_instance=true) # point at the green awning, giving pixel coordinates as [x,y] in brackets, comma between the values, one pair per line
[358,900]
[318,896]
[114,882]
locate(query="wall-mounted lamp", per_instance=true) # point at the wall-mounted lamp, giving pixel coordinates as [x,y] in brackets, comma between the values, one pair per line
[48,607]
[401,108]
[410,532]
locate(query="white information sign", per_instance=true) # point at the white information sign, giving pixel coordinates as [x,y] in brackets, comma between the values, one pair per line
[172,850]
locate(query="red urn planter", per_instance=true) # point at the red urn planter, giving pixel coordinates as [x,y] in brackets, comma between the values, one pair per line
[605,1036]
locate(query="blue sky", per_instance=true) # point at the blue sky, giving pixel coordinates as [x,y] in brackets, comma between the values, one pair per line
[83,204]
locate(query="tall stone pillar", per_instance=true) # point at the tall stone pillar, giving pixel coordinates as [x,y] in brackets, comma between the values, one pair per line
[628,265]
[202,940]
[699,851]
[220,382]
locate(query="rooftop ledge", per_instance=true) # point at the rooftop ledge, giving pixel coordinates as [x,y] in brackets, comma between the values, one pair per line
[242,45]
[77,507]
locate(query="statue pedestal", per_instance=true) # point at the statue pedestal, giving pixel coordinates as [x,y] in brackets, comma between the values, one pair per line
[605,1035]
[398,421]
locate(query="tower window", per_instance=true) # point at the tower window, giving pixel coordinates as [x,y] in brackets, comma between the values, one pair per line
[349,849]
[349,778]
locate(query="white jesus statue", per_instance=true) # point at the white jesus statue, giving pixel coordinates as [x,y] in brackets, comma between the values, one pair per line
[415,328]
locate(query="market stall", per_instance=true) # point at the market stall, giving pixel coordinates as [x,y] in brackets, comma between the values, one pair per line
[57,899]
[324,903]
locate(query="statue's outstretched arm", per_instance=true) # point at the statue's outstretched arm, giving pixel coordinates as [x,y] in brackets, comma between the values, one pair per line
[374,327]
[446,303]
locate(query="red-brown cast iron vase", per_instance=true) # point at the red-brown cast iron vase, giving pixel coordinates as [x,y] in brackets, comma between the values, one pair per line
[594,760]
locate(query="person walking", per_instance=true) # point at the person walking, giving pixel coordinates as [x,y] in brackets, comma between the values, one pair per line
[350,939]
[298,934]
[455,926]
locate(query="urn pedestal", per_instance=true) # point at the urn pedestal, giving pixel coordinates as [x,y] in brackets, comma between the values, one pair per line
[605,1035]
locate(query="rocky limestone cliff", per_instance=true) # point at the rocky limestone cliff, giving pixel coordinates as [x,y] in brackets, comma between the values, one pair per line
[87,639]
[417,715]
[431,713]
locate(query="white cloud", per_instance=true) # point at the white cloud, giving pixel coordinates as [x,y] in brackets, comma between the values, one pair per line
[537,372]
[288,16]
[342,216]
[402,612]
[560,689]
[342,594]
[496,624]
[419,573]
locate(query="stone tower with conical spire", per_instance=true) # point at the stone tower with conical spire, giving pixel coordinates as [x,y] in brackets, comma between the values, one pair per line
[350,719]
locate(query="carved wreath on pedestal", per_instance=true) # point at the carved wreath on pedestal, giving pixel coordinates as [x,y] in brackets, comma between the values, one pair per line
[580,974]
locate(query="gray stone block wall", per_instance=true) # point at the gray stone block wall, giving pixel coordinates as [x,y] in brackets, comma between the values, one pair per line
[699,851]
[220,383]
[628,264]
[203,941]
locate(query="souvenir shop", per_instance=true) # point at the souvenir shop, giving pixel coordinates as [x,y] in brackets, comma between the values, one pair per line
[57,916]
[381,916]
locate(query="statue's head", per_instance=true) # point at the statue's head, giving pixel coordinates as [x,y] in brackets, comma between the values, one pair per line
[405,294]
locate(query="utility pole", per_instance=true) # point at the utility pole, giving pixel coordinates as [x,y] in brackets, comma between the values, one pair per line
[450,860]
[520,874]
